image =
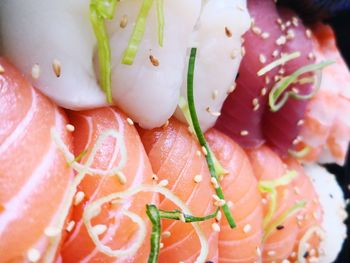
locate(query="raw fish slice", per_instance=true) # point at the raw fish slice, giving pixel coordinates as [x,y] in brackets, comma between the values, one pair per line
[280,243]
[243,243]
[148,92]
[173,153]
[34,176]
[48,33]
[217,37]
[240,111]
[120,232]
[281,128]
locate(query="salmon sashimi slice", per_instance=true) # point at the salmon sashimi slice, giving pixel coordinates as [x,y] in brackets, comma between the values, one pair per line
[244,107]
[125,151]
[176,157]
[279,235]
[243,243]
[309,218]
[34,176]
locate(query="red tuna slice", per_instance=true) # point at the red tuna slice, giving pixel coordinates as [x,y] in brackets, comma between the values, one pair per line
[243,109]
[281,128]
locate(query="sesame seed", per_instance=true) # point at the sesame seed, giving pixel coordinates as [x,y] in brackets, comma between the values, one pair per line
[121,177]
[52,231]
[281,40]
[33,255]
[247,228]
[283,27]
[308,33]
[2,70]
[70,128]
[295,90]
[256,107]
[300,217]
[262,59]
[228,32]
[232,88]
[35,71]
[285,261]
[229,204]
[124,21]
[255,101]
[70,226]
[275,53]
[258,251]
[265,35]
[215,94]
[314,215]
[161,245]
[198,153]
[279,227]
[154,60]
[99,229]
[215,197]
[300,122]
[256,30]
[218,216]
[244,133]
[234,54]
[204,151]
[130,121]
[242,51]
[220,203]
[56,66]
[215,227]
[271,253]
[155,177]
[290,34]
[182,218]
[288,24]
[166,234]
[163,183]
[281,71]
[198,178]
[279,21]
[78,197]
[214,182]
[295,21]
[263,91]
[311,56]
[214,113]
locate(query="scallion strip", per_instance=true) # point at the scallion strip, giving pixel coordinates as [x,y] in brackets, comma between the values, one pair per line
[153,215]
[78,158]
[176,215]
[280,88]
[99,11]
[137,34]
[200,135]
[160,16]
[281,61]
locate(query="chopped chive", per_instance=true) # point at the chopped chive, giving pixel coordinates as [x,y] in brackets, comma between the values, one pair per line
[200,135]
[176,215]
[291,211]
[153,215]
[280,88]
[160,16]
[281,61]
[99,11]
[137,34]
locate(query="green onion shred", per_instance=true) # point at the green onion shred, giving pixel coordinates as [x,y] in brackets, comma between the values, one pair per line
[153,215]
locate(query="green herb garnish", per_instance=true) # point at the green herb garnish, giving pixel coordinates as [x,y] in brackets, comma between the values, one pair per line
[100,10]
[201,138]
[280,88]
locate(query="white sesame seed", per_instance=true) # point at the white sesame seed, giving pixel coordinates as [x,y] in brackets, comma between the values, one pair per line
[255,101]
[300,217]
[35,71]
[281,40]
[281,71]
[256,30]
[33,255]
[214,113]
[121,177]
[182,218]
[290,34]
[229,204]
[220,203]
[214,182]
[215,94]
[198,153]
[262,58]
[256,107]
[311,56]
[300,122]
[70,128]
[70,226]
[204,151]
[215,197]
[52,231]
[198,178]
[154,60]
[56,66]
[265,35]
[242,51]
[288,23]
[244,133]
[275,53]
[161,245]
[263,91]
[78,197]
[234,54]
[163,183]
[2,70]
[215,227]
[124,21]
[308,33]
[166,234]
[271,253]
[258,251]
[99,229]
[267,80]
[247,228]
[218,216]
[130,121]
[232,88]
[295,21]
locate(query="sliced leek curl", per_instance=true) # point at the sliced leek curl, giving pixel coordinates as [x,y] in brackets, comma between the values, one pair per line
[279,96]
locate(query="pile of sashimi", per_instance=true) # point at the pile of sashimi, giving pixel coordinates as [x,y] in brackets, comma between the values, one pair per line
[169,131]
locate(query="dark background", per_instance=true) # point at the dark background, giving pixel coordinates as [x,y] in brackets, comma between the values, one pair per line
[337,14]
